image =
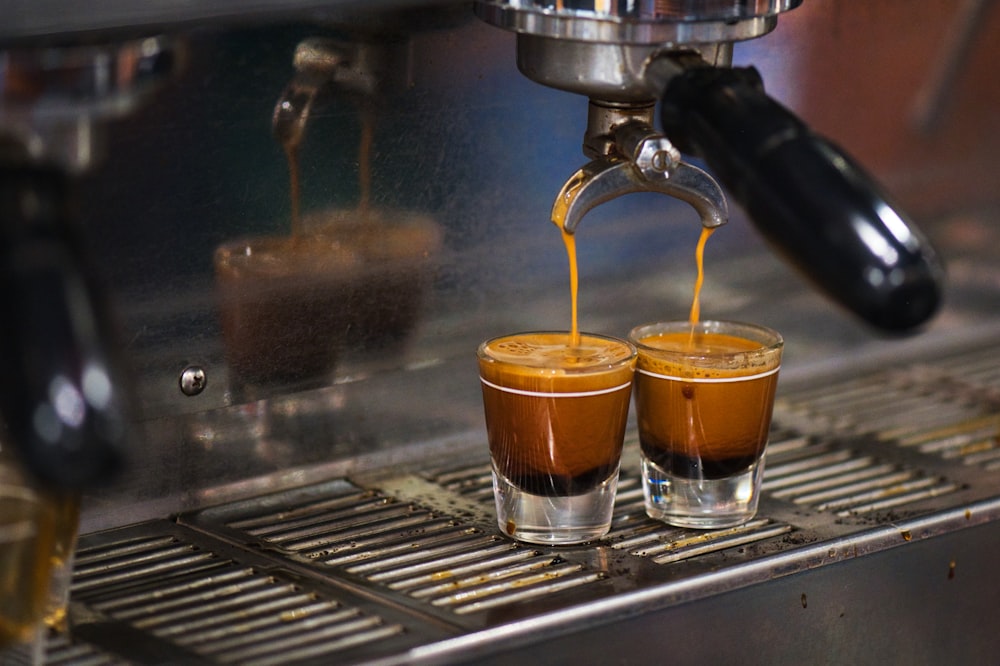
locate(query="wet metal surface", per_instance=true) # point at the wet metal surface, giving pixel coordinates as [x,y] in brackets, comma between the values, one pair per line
[407,564]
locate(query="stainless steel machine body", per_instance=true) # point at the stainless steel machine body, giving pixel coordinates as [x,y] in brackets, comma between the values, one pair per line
[352,521]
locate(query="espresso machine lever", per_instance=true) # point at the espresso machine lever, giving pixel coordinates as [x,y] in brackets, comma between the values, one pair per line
[808,197]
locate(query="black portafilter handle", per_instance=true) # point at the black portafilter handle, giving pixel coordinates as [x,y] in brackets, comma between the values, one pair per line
[61,397]
[807,197]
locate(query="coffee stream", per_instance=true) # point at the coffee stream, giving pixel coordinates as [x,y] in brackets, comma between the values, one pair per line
[365,163]
[699,257]
[566,197]
[563,201]
[292,141]
[292,155]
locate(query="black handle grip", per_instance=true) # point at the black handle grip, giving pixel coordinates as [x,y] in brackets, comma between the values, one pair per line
[60,391]
[806,196]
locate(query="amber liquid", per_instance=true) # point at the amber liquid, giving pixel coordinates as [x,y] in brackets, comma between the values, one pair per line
[25,545]
[699,258]
[542,440]
[66,523]
[703,422]
[282,308]
[559,210]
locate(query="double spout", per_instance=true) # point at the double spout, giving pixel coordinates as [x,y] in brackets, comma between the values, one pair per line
[635,158]
[326,66]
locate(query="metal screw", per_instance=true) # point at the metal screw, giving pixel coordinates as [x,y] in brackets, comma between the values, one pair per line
[193,380]
[655,156]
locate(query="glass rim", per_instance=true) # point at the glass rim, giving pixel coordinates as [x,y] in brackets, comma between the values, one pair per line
[772,342]
[589,369]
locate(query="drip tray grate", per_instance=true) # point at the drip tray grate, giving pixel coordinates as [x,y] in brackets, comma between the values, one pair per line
[393,564]
[845,481]
[443,563]
[193,599]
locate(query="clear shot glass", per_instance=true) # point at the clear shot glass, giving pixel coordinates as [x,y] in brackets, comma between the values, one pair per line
[704,397]
[555,419]
[25,550]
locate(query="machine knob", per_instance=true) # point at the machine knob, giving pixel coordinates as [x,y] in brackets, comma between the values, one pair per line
[806,196]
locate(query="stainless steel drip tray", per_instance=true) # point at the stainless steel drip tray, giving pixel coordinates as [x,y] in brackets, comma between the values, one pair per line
[875,477]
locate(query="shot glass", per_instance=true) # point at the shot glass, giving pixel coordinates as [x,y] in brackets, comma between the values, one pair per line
[555,419]
[283,307]
[25,549]
[704,397]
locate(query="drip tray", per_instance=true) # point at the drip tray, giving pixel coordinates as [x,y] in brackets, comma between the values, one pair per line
[406,566]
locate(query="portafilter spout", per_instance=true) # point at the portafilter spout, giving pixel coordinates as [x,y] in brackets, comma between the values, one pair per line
[360,68]
[636,159]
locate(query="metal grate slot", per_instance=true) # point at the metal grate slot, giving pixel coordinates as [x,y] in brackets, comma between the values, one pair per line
[972,370]
[457,564]
[199,587]
[270,642]
[429,556]
[61,648]
[889,404]
[668,545]
[842,480]
[160,557]
[796,418]
[369,539]
[973,441]
[932,415]
[555,576]
[229,612]
[848,406]
[890,496]
[817,475]
[494,584]
[406,551]
[475,482]
[287,525]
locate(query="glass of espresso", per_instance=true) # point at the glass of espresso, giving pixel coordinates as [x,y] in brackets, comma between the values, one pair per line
[555,420]
[704,396]
[284,309]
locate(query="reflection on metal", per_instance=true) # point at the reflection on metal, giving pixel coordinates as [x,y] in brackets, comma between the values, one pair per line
[401,563]
[639,22]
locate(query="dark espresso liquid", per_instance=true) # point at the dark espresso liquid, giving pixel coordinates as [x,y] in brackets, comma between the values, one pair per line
[703,422]
[395,250]
[282,308]
[555,413]
[342,279]
[392,249]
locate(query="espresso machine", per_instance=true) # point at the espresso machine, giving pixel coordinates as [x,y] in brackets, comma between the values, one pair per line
[335,505]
